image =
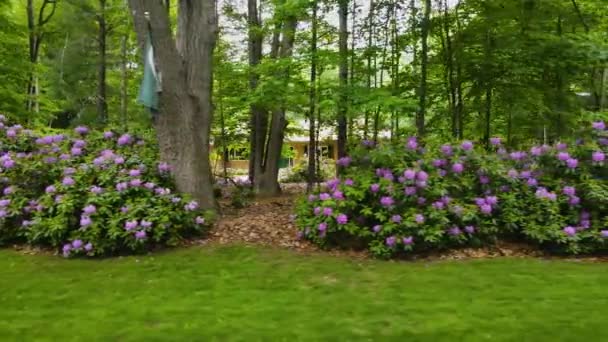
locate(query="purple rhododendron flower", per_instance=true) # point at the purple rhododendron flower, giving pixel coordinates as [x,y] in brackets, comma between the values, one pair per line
[145,224]
[377,228]
[135,173]
[344,161]
[408,240]
[466,145]
[85,221]
[410,190]
[409,174]
[454,231]
[569,191]
[175,199]
[135,182]
[322,227]
[141,235]
[342,219]
[108,134]
[8,163]
[124,210]
[570,231]
[536,151]
[483,179]
[88,247]
[447,150]
[469,229]
[563,156]
[421,200]
[164,167]
[396,218]
[8,190]
[439,162]
[421,184]
[77,244]
[96,190]
[480,201]
[311,197]
[122,186]
[561,146]
[604,234]
[442,173]
[491,200]
[317,211]
[598,125]
[574,200]
[585,215]
[130,225]
[68,171]
[66,249]
[199,220]
[191,206]
[338,195]
[532,182]
[412,143]
[124,139]
[598,156]
[485,209]
[572,163]
[512,173]
[422,176]
[68,181]
[11,133]
[5,202]
[82,130]
[419,218]
[50,189]
[328,211]
[391,241]
[438,205]
[387,201]
[374,188]
[457,168]
[89,209]
[496,141]
[324,196]
[585,224]
[349,182]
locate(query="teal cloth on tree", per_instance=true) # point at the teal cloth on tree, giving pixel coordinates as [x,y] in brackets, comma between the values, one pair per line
[150,84]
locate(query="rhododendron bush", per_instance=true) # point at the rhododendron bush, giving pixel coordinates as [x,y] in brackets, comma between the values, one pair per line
[89,193]
[398,199]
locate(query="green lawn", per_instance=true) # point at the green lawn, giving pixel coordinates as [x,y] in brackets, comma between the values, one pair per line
[254,294]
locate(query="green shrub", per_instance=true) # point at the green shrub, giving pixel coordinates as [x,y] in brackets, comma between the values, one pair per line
[90,193]
[394,199]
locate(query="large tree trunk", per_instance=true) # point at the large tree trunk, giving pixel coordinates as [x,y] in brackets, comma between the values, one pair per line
[185,63]
[343,75]
[102,105]
[426,23]
[258,116]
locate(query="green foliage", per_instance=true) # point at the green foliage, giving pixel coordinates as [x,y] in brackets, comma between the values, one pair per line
[94,193]
[394,199]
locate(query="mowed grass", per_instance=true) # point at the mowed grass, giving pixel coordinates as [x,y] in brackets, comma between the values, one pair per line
[242,293]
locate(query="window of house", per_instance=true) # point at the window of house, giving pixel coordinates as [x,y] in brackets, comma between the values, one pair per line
[324,151]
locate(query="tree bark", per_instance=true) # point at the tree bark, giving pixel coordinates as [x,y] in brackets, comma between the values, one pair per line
[186,112]
[312,143]
[258,116]
[102,105]
[370,36]
[426,23]
[35,35]
[268,182]
[124,82]
[343,76]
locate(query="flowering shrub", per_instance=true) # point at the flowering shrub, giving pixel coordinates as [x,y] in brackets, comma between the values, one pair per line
[89,193]
[396,199]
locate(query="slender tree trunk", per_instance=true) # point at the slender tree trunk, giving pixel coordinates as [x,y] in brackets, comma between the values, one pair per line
[370,27]
[459,107]
[426,23]
[343,76]
[186,112]
[258,116]
[488,85]
[102,105]
[268,184]
[312,145]
[124,82]
[225,154]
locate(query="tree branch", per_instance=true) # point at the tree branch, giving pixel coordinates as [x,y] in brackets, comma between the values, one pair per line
[580,16]
[43,20]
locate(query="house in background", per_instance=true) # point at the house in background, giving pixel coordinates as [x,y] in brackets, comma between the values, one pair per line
[297,144]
